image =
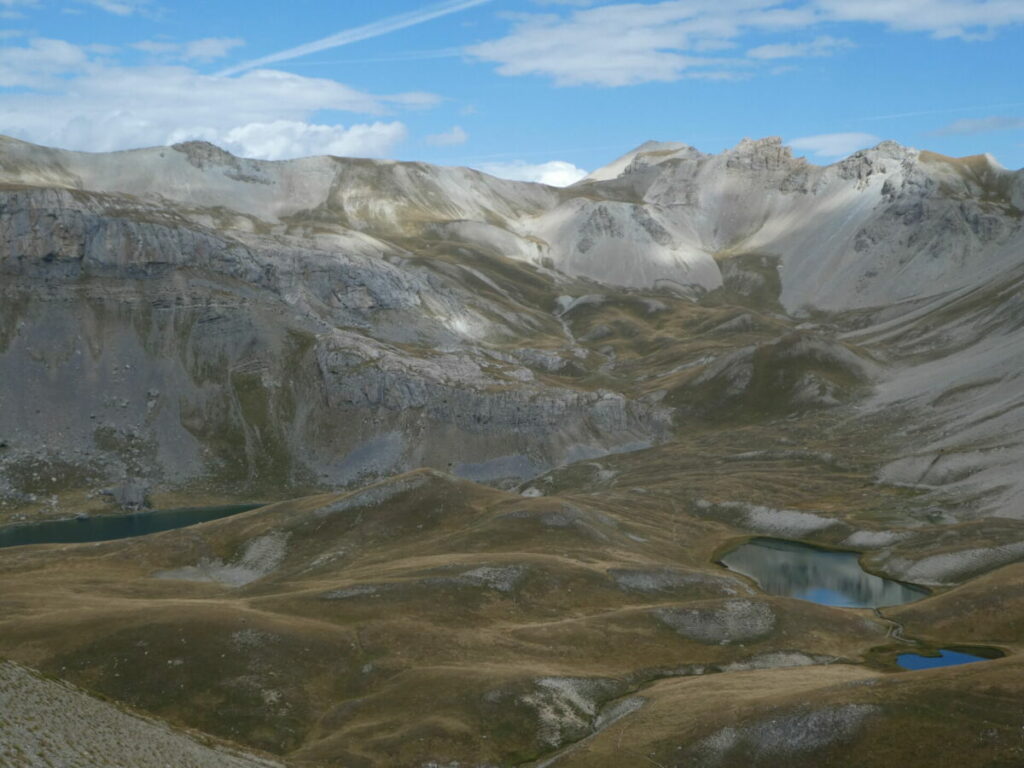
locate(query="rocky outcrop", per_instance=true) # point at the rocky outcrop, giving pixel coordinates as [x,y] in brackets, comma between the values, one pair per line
[222,357]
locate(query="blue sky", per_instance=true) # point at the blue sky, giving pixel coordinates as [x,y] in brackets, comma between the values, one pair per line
[539,89]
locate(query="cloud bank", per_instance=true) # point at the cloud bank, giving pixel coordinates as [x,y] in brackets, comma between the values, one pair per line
[69,97]
[556,173]
[285,139]
[626,44]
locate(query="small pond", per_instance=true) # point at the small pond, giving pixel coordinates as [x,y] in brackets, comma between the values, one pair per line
[946,658]
[823,576]
[79,530]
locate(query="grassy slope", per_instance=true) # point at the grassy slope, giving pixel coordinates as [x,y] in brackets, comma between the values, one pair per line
[414,660]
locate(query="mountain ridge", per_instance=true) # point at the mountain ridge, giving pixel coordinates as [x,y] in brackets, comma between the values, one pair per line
[873,191]
[389,275]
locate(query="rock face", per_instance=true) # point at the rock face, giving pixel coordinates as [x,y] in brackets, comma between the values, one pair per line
[237,324]
[207,344]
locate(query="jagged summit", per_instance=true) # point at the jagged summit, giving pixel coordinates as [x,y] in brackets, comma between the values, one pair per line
[761,154]
[652,151]
[766,153]
[659,215]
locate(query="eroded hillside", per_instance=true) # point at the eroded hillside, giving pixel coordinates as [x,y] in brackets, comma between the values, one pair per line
[510,429]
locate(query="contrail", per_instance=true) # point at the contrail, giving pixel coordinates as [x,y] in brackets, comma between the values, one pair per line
[949,111]
[354,35]
[440,53]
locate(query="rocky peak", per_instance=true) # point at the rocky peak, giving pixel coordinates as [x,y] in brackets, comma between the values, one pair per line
[660,153]
[766,154]
[648,154]
[886,158]
[202,153]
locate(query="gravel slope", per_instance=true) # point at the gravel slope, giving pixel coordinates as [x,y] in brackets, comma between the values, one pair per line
[48,724]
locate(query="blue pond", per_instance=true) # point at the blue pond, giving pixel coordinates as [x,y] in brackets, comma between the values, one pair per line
[944,659]
[77,530]
[823,576]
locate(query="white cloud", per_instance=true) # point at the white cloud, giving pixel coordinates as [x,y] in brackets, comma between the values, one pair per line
[8,7]
[283,139]
[120,7]
[832,145]
[970,126]
[80,101]
[824,45]
[556,173]
[970,19]
[206,49]
[449,138]
[39,62]
[617,45]
[626,44]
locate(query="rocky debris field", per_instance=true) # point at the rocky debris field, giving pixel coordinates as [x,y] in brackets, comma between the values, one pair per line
[46,724]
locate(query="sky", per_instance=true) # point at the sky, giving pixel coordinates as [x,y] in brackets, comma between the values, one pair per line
[542,90]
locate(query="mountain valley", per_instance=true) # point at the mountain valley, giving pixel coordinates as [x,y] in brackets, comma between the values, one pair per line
[501,435]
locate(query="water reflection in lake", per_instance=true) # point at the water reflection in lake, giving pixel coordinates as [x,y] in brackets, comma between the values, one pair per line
[118,527]
[946,658]
[821,576]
